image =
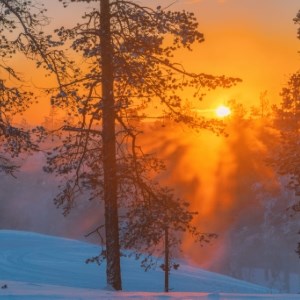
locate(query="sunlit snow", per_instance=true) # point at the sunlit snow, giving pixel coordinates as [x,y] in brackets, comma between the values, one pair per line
[35,266]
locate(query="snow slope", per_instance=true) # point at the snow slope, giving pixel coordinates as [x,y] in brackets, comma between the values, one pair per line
[35,266]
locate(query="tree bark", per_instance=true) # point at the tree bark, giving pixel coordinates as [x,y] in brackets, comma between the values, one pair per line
[113,269]
[167,260]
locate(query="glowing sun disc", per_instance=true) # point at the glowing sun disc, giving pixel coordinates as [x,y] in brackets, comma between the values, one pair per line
[222,111]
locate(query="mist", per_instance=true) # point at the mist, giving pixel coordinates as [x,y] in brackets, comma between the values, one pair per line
[226,179]
[27,203]
[239,196]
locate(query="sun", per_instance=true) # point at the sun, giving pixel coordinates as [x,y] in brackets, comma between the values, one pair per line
[222,111]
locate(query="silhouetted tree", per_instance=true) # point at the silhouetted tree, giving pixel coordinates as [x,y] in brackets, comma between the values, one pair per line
[124,66]
[297,21]
[20,32]
[286,158]
[155,227]
[287,118]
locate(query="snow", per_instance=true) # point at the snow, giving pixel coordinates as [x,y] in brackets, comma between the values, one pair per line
[35,266]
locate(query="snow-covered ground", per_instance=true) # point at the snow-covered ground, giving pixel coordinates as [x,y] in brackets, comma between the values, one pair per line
[35,266]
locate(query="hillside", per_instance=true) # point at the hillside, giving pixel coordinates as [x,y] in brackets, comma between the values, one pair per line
[35,266]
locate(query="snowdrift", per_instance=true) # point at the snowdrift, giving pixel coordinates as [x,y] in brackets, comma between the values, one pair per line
[35,266]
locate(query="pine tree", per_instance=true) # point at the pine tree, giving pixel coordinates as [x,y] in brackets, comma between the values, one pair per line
[297,21]
[124,66]
[287,120]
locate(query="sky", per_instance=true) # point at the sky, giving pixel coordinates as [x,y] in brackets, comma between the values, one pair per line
[251,39]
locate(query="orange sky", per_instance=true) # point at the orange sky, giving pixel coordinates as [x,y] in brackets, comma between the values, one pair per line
[251,39]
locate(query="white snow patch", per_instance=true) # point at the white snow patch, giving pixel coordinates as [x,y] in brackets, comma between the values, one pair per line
[35,266]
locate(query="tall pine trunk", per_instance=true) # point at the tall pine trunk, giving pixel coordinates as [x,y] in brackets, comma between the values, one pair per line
[113,270]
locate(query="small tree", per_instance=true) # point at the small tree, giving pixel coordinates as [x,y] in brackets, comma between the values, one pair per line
[126,66]
[155,227]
